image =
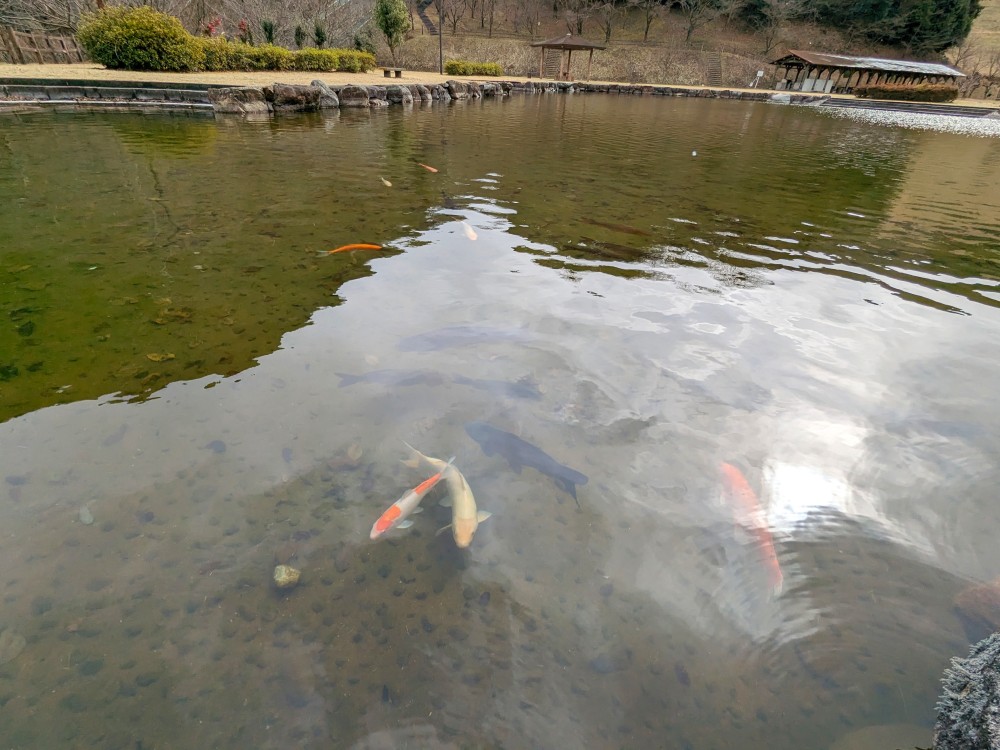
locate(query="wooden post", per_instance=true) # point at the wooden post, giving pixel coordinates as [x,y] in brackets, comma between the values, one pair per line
[541,61]
[12,45]
[569,63]
[589,61]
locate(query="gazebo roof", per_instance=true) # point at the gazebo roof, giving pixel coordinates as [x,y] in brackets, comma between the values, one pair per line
[823,59]
[569,41]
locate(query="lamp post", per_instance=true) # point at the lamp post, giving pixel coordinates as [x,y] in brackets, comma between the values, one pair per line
[440,9]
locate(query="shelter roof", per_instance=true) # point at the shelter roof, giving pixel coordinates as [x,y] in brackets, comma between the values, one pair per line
[569,41]
[823,59]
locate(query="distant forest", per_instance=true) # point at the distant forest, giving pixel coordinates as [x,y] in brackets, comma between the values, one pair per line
[917,27]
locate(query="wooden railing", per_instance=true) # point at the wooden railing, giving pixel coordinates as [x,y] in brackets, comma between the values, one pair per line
[38,47]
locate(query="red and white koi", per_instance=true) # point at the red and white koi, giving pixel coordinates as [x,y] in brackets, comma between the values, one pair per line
[746,508]
[465,516]
[396,515]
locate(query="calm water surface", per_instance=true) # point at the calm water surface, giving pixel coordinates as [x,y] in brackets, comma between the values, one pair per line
[751,327]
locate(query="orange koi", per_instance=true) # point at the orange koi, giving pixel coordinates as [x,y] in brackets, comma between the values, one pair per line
[747,510]
[354,246]
[396,514]
[429,169]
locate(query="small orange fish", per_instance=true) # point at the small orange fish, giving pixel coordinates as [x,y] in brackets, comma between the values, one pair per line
[354,246]
[429,169]
[748,513]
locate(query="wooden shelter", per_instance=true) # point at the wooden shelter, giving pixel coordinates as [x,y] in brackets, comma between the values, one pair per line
[827,73]
[565,45]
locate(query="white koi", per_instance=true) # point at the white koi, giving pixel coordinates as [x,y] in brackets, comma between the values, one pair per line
[465,517]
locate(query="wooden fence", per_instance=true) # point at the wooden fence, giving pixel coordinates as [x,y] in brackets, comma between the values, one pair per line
[38,47]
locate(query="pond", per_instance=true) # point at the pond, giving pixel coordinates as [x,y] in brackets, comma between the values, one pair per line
[723,374]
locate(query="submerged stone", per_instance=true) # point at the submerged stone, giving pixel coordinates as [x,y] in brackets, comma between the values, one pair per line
[12,644]
[286,577]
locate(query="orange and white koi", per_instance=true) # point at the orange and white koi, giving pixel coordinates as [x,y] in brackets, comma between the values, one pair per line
[470,233]
[465,517]
[737,491]
[429,169]
[385,182]
[354,246]
[395,516]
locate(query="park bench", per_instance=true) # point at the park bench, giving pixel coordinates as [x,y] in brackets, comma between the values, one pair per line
[388,72]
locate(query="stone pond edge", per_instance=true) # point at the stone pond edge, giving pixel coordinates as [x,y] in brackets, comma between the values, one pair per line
[282,98]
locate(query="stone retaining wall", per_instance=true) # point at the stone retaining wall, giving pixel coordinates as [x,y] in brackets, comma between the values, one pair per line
[282,98]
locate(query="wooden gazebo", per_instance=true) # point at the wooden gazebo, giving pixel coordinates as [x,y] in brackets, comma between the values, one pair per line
[566,44]
[820,71]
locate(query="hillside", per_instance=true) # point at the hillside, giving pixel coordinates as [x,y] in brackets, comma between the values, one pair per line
[985,39]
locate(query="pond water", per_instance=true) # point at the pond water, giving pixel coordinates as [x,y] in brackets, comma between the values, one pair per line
[766,337]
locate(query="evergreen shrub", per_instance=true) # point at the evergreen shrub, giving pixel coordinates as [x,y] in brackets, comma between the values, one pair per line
[466,68]
[139,38]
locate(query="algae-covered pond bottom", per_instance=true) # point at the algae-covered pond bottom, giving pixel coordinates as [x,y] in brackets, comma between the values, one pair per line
[766,337]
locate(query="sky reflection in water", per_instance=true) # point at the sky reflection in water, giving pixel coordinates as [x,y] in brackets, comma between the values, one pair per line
[804,333]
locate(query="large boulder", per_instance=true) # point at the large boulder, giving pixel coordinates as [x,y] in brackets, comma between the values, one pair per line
[398,95]
[457,89]
[287,97]
[328,98]
[421,93]
[354,96]
[969,709]
[241,100]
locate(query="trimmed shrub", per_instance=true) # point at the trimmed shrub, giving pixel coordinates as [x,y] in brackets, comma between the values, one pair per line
[138,39]
[922,92]
[270,57]
[222,54]
[311,58]
[346,60]
[466,68]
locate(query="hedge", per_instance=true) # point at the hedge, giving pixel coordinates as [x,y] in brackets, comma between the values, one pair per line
[144,39]
[466,68]
[346,60]
[922,92]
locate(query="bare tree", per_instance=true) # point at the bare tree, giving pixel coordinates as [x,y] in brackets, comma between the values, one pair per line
[699,13]
[650,10]
[772,18]
[575,13]
[606,12]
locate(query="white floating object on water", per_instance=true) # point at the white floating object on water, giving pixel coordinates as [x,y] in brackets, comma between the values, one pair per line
[694,153]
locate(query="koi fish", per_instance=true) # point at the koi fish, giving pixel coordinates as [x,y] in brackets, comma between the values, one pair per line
[737,491]
[465,517]
[354,246]
[520,453]
[470,233]
[429,169]
[396,514]
[385,182]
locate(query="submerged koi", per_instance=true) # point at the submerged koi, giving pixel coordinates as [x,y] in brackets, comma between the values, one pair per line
[429,169]
[396,514]
[469,232]
[385,182]
[354,246]
[742,498]
[465,517]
